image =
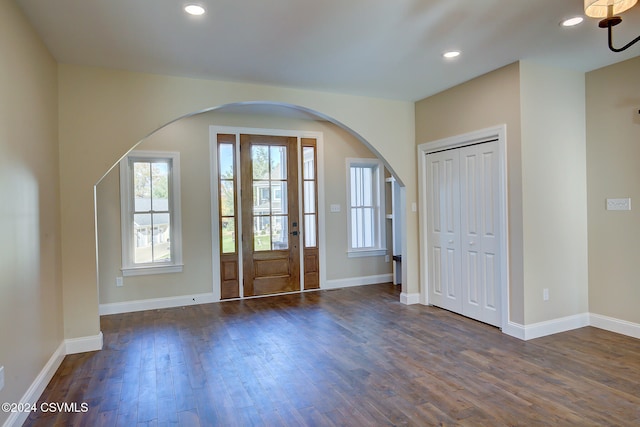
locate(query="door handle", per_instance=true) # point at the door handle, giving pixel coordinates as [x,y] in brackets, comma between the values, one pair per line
[295,233]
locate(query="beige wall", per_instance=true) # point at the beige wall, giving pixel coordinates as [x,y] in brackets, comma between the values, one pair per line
[613,152]
[544,110]
[554,192]
[190,136]
[486,101]
[30,281]
[104,112]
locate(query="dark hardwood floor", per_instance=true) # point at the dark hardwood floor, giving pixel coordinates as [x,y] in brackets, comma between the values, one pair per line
[351,357]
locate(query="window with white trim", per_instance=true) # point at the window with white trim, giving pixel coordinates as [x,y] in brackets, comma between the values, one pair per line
[365,217]
[150,213]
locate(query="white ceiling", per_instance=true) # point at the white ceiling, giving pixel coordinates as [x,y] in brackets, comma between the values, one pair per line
[382,48]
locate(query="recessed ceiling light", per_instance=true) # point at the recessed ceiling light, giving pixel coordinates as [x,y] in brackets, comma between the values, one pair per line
[572,22]
[451,54]
[194,9]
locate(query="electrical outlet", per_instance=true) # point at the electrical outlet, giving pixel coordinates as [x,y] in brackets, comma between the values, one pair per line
[386,258]
[545,294]
[119,281]
[1,377]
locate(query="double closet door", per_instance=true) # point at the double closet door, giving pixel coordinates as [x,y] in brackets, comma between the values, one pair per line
[462,231]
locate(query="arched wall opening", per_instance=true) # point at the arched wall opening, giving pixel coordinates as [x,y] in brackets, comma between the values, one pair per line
[190,133]
[102,112]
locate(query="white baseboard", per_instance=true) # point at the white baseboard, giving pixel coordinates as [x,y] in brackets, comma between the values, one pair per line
[541,329]
[37,387]
[548,327]
[615,325]
[155,303]
[554,326]
[357,281]
[83,344]
[515,330]
[409,299]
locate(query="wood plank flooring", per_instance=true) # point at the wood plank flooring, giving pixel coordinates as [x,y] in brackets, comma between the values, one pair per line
[350,357]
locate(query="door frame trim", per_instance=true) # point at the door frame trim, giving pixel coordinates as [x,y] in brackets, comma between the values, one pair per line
[214,130]
[498,133]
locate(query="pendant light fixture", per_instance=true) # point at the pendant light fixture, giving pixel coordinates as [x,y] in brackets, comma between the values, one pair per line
[609,11]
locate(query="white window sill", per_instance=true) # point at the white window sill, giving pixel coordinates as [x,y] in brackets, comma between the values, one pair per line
[366,253]
[155,269]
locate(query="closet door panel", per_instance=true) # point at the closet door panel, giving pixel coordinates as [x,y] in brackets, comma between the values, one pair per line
[470,213]
[443,218]
[479,213]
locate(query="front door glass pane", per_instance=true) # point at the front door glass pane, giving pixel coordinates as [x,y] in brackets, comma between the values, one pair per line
[279,197]
[278,162]
[261,198]
[270,202]
[261,233]
[260,162]
[279,233]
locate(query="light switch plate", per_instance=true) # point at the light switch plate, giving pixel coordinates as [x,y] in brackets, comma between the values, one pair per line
[334,208]
[619,204]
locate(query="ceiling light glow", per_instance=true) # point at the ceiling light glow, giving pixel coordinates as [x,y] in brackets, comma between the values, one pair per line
[194,9]
[451,54]
[572,22]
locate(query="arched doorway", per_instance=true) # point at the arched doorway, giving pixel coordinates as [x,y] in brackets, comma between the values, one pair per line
[187,132]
